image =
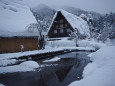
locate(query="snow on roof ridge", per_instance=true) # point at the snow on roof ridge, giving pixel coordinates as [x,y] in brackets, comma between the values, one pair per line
[75,22]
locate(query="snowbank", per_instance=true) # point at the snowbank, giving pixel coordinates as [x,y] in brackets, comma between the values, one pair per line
[14,17]
[110,42]
[30,64]
[102,71]
[12,55]
[51,60]
[6,62]
[91,43]
[23,67]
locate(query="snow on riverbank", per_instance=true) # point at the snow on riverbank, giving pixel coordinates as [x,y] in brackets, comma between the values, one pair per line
[6,62]
[101,72]
[5,59]
[18,54]
[54,59]
[23,67]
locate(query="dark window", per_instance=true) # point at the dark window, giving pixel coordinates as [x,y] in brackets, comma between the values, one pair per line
[61,25]
[55,31]
[57,26]
[65,25]
[68,30]
[61,21]
[61,30]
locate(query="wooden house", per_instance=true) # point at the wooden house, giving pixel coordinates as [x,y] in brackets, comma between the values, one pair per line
[64,23]
[18,42]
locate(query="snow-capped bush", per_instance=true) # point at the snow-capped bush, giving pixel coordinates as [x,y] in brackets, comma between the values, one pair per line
[90,43]
[30,64]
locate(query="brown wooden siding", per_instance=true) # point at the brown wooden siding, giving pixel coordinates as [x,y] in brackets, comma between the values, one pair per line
[9,45]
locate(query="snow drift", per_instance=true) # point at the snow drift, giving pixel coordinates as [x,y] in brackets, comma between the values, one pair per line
[102,71]
[23,67]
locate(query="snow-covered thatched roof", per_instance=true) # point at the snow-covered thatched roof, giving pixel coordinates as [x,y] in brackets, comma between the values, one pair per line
[75,21]
[14,17]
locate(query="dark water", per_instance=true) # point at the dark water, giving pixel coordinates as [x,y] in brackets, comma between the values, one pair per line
[58,73]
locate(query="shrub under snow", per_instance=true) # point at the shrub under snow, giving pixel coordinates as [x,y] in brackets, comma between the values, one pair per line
[30,64]
[90,43]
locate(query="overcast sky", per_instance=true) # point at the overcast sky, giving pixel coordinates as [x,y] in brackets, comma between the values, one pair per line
[100,6]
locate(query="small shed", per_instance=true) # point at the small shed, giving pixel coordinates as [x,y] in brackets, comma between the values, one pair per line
[64,23]
[16,42]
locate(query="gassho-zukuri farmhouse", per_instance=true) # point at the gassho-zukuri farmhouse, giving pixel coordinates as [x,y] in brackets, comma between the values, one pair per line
[64,23]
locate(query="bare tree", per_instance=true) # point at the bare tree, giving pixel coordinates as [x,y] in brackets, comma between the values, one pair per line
[37,28]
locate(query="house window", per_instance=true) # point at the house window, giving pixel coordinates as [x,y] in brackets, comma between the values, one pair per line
[61,25]
[65,25]
[61,21]
[61,30]
[56,26]
[68,30]
[55,31]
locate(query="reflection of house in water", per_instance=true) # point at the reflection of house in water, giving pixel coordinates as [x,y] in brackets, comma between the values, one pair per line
[62,75]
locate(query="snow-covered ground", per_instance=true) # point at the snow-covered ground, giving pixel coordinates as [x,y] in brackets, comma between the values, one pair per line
[110,42]
[84,44]
[23,67]
[63,42]
[101,72]
[5,62]
[91,43]
[18,54]
[5,59]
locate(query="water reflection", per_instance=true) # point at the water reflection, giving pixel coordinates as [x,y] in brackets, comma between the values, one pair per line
[69,69]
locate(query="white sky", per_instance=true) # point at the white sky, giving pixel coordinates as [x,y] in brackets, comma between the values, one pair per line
[101,6]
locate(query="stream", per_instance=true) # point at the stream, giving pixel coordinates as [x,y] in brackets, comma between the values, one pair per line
[67,69]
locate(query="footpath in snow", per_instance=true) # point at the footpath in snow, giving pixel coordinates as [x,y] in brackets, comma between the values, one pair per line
[101,72]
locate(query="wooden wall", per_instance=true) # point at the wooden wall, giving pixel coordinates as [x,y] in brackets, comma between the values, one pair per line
[9,45]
